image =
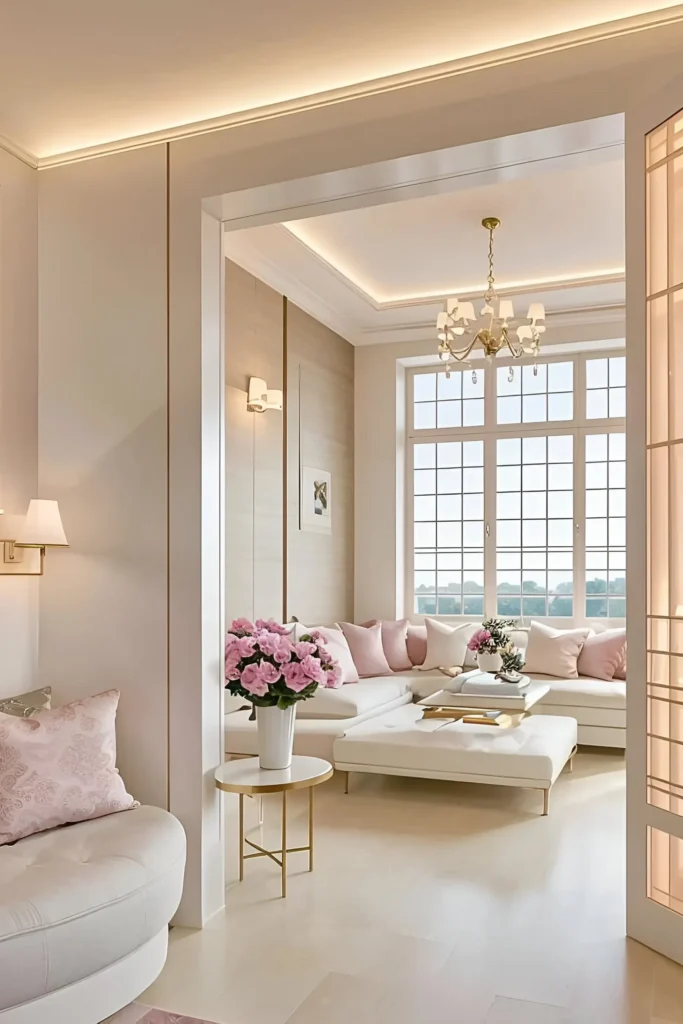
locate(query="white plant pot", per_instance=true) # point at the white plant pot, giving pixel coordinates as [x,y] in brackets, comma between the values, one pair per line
[275,730]
[489,662]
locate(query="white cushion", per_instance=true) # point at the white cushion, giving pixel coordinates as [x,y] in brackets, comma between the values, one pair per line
[354,699]
[337,645]
[446,645]
[76,899]
[536,749]
[584,692]
[554,651]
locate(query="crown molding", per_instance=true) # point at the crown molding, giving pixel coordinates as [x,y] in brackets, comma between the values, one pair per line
[16,151]
[369,88]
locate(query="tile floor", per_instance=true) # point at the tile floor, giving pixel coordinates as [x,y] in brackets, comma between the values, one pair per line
[432,903]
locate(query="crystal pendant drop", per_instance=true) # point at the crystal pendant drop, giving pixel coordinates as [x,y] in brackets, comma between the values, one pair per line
[474,376]
[511,375]
[535,369]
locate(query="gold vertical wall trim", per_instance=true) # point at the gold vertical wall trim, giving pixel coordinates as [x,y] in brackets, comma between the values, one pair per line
[168,476]
[285,461]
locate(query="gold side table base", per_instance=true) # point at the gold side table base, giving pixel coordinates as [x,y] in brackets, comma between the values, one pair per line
[278,856]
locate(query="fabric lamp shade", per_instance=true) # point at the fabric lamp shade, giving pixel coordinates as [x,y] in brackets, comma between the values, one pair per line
[43,525]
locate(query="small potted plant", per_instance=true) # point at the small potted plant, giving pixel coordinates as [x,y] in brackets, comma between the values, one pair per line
[266,666]
[494,647]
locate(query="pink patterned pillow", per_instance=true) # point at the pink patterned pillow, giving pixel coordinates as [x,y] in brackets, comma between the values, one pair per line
[59,767]
[366,649]
[603,654]
[621,671]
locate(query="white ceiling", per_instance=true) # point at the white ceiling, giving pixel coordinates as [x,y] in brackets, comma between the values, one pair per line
[380,273]
[80,74]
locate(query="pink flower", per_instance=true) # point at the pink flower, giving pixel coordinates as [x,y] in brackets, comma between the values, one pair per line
[232,660]
[246,645]
[295,676]
[283,651]
[313,669]
[268,642]
[303,648]
[333,677]
[230,639]
[271,626]
[242,626]
[479,638]
[325,656]
[269,673]
[252,682]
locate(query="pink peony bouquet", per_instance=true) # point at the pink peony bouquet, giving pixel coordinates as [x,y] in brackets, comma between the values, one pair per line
[266,666]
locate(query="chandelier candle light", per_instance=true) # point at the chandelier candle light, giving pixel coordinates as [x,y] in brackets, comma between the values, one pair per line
[495,331]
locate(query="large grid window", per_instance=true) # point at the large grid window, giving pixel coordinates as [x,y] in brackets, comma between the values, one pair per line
[535,526]
[449,528]
[517,490]
[606,525]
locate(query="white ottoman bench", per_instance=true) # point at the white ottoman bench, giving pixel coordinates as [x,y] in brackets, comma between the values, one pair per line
[530,755]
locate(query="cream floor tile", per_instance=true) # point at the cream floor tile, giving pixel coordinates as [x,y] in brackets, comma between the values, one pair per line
[516,1011]
[432,903]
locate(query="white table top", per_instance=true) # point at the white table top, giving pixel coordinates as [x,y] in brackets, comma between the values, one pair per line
[490,702]
[245,775]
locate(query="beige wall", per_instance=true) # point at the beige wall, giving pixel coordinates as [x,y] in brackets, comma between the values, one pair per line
[318,569]
[320,369]
[18,410]
[103,447]
[254,534]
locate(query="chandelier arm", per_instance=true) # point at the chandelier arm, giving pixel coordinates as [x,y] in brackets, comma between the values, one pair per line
[520,348]
[462,353]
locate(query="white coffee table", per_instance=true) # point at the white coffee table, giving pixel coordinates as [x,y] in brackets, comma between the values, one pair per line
[515,703]
[530,755]
[246,777]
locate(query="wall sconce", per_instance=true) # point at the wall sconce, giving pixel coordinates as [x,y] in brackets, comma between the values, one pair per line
[260,398]
[42,528]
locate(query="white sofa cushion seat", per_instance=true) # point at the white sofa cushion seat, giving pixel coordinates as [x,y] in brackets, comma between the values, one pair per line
[354,699]
[584,692]
[79,898]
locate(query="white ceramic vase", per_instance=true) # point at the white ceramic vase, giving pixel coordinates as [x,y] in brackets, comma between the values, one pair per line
[489,662]
[275,729]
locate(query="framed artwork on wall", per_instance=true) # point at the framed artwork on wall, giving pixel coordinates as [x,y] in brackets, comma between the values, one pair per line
[316,500]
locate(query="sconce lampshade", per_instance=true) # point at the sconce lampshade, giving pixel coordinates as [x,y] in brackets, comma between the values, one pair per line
[43,525]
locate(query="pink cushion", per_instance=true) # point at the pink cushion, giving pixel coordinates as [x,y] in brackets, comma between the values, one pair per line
[621,671]
[366,649]
[394,642]
[603,654]
[417,644]
[59,767]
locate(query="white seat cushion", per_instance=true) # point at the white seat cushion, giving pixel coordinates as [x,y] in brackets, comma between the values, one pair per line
[537,749]
[78,898]
[354,699]
[584,692]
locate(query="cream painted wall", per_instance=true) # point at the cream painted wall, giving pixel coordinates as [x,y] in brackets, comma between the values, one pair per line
[18,409]
[254,555]
[320,369]
[103,446]
[380,466]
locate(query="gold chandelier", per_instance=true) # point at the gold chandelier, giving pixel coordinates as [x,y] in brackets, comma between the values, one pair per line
[459,331]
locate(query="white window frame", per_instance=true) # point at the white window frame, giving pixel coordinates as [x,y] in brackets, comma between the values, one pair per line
[489,433]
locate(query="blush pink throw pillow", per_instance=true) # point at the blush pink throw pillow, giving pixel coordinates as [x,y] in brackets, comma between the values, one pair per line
[394,642]
[366,649]
[59,767]
[603,654]
[417,644]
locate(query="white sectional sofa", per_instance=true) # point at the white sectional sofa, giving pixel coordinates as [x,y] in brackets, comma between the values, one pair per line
[599,708]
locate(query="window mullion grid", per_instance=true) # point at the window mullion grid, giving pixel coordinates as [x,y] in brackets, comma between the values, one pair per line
[490,499]
[579,532]
[409,557]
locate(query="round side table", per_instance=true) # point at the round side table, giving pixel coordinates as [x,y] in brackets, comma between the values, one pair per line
[246,778]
